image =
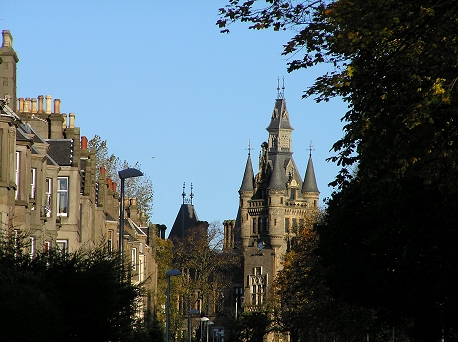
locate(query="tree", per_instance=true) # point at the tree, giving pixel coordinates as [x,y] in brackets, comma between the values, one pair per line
[65,297]
[207,268]
[164,258]
[387,239]
[140,188]
[307,307]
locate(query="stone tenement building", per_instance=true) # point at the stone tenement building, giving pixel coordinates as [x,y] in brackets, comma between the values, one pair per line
[273,205]
[48,184]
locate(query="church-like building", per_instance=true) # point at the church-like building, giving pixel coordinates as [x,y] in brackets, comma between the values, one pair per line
[274,204]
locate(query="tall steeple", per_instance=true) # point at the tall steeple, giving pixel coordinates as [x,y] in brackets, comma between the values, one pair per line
[280,129]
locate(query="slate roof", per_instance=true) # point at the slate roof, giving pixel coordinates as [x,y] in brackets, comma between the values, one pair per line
[21,134]
[280,176]
[136,228]
[186,219]
[280,117]
[248,177]
[309,178]
[61,150]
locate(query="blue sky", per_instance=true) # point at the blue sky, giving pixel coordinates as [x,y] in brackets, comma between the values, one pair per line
[157,79]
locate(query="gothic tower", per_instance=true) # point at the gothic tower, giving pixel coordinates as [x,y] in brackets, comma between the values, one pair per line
[273,207]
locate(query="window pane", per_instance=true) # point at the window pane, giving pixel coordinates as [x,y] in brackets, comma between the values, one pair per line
[63,183]
[62,199]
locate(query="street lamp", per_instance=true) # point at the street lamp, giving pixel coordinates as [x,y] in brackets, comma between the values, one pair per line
[202,319]
[169,274]
[208,323]
[191,312]
[127,173]
[238,295]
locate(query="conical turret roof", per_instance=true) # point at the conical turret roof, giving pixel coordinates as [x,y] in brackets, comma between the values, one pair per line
[309,184]
[248,176]
[277,178]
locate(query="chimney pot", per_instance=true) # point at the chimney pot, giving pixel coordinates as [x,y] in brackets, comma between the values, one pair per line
[34,105]
[48,104]
[40,104]
[27,105]
[109,183]
[57,106]
[114,186]
[7,39]
[72,120]
[83,143]
[102,169]
[21,104]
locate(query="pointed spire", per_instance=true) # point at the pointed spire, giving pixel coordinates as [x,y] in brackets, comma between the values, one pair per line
[183,194]
[280,116]
[280,94]
[192,195]
[309,184]
[279,127]
[248,176]
[276,181]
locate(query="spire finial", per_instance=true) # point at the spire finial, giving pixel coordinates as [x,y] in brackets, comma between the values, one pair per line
[191,195]
[311,149]
[250,147]
[184,193]
[280,94]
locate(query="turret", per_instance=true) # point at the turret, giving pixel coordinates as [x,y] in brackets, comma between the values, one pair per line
[246,193]
[309,187]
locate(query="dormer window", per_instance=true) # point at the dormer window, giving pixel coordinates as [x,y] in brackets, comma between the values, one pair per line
[292,193]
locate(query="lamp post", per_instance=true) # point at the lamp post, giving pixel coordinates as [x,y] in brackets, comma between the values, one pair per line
[208,323]
[191,312]
[169,274]
[238,295]
[202,319]
[127,173]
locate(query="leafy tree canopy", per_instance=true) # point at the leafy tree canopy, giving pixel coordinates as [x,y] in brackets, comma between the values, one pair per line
[140,188]
[387,239]
[58,296]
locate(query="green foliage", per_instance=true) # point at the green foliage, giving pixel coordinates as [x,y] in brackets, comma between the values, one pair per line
[308,309]
[65,297]
[140,188]
[207,268]
[387,242]
[253,326]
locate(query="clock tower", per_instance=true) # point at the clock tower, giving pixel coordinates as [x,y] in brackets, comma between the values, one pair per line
[274,205]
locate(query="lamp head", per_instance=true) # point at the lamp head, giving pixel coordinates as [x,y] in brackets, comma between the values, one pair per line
[129,173]
[172,273]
